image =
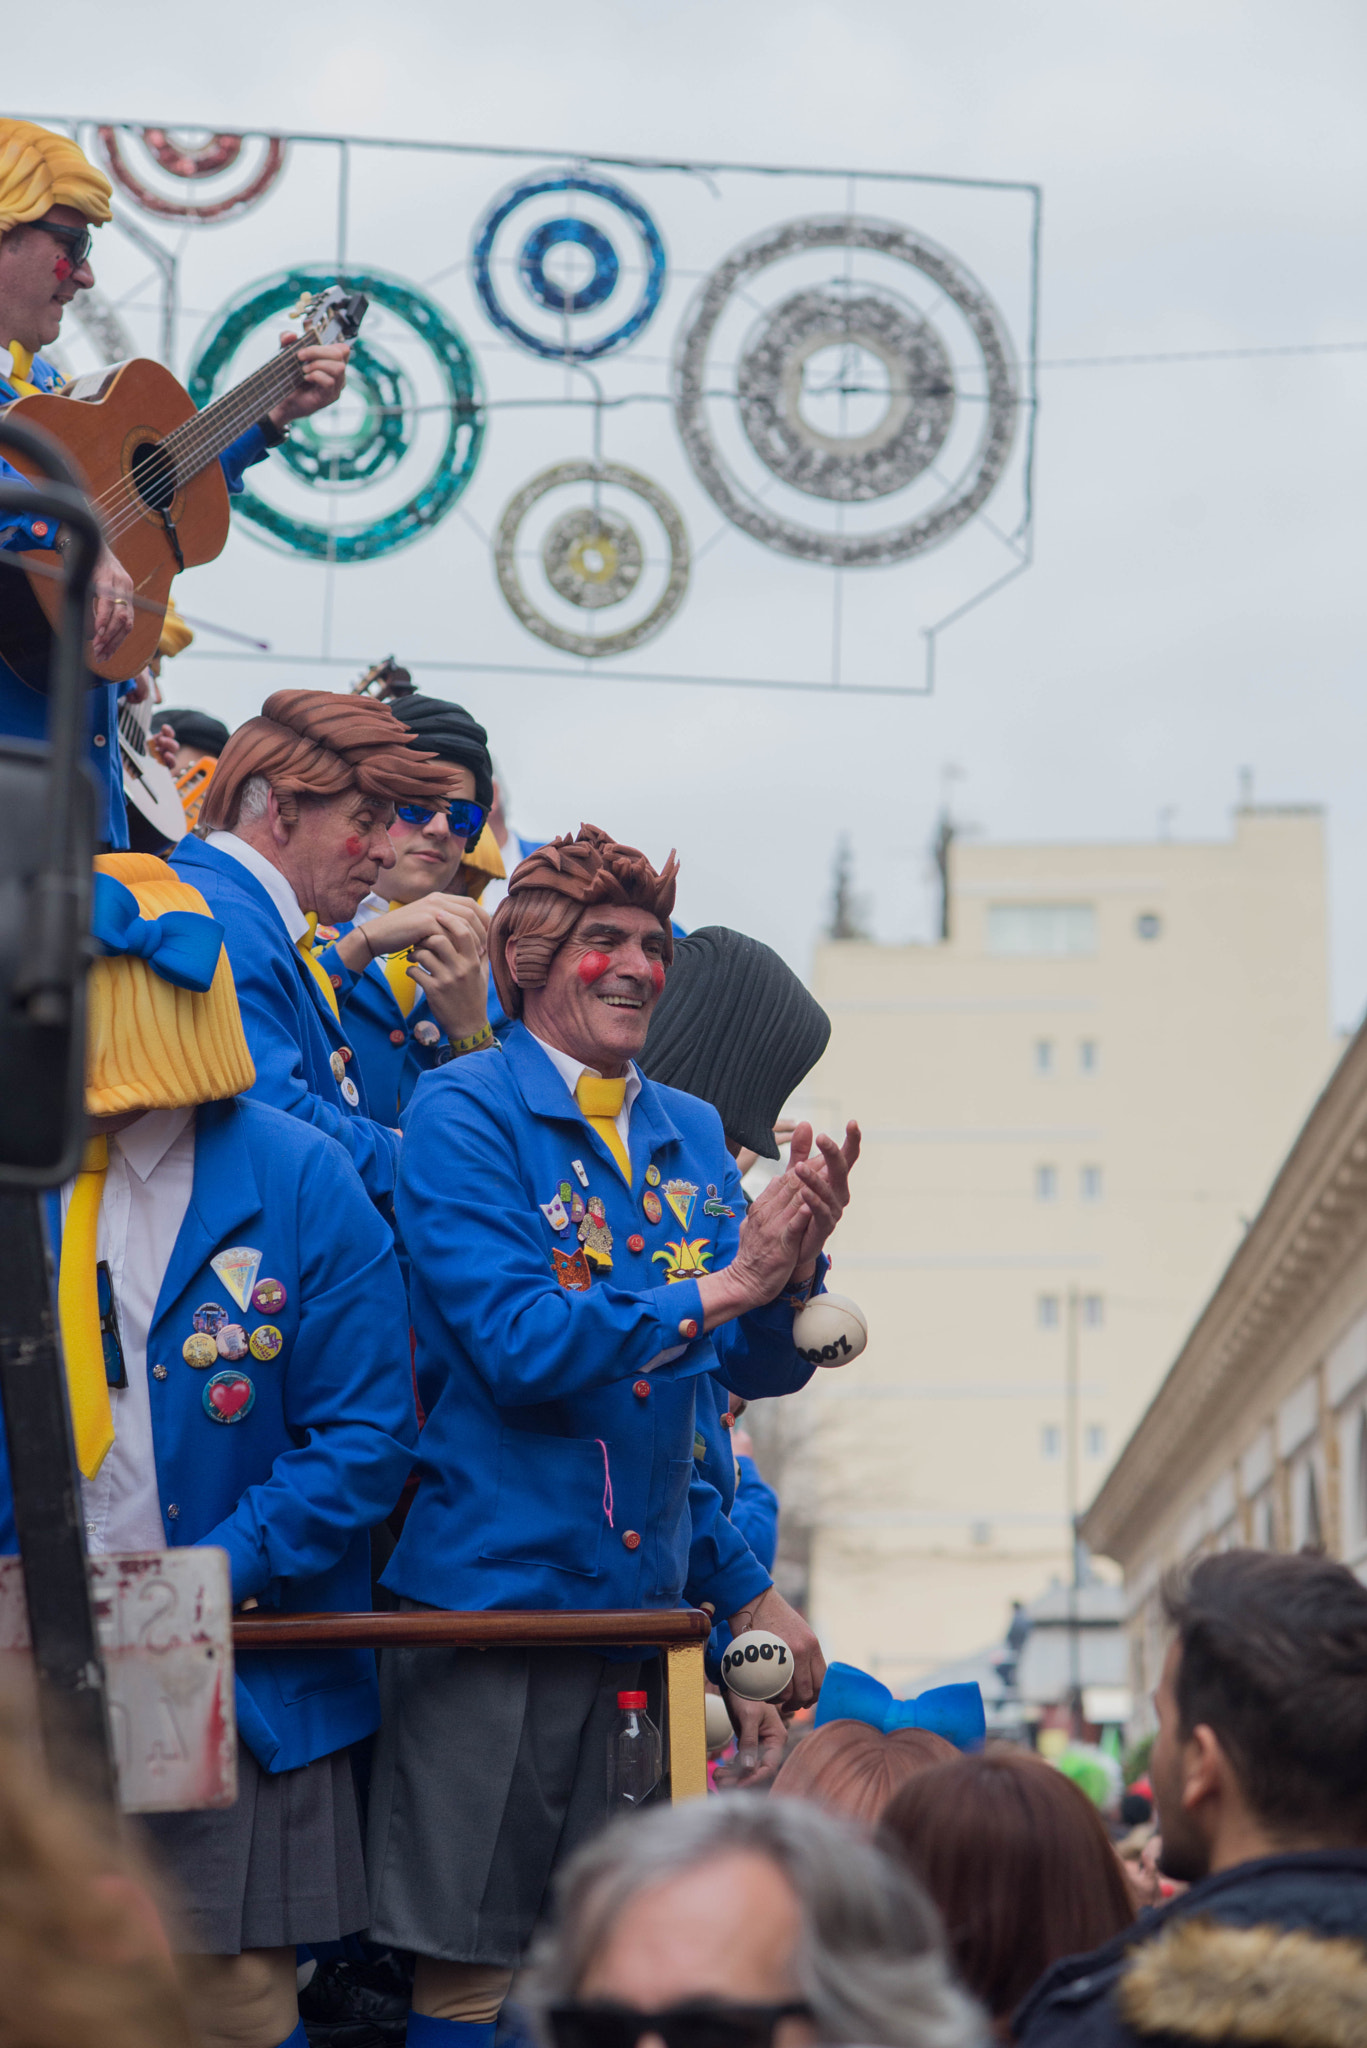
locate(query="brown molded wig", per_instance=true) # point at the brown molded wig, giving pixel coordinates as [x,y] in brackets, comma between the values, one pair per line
[550,889]
[320,743]
[850,1768]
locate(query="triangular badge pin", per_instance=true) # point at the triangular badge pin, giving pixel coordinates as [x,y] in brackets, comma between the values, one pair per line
[681,1195]
[237,1269]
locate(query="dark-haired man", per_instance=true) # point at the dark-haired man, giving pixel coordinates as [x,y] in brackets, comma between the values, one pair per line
[1259,1779]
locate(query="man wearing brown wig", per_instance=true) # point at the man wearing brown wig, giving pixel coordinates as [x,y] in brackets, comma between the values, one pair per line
[569,1285]
[295,827]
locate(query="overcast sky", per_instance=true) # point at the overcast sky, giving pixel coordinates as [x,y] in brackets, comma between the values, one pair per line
[1197,600]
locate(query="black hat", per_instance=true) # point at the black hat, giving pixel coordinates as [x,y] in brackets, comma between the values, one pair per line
[735,1026]
[448,731]
[194,729]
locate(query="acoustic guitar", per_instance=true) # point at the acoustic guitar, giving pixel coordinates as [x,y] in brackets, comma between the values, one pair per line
[149,463]
[149,787]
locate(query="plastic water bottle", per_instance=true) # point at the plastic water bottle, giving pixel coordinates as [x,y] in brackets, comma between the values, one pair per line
[633,1753]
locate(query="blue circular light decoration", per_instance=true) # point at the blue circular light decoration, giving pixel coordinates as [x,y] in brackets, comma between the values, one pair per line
[552,234]
[356,460]
[607,266]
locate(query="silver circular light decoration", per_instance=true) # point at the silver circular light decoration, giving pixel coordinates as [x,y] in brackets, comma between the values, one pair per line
[921,396]
[592,557]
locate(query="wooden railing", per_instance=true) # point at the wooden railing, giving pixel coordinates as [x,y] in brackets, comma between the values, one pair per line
[679,1632]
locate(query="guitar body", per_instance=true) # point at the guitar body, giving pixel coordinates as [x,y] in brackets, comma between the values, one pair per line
[107,422]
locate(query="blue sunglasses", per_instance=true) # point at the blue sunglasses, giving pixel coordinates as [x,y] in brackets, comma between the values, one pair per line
[465,820]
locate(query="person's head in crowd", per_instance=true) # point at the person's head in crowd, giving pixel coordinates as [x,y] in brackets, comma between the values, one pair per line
[770,1907]
[1262,1712]
[736,1027]
[430,840]
[853,1769]
[312,783]
[199,736]
[83,1954]
[51,196]
[1019,1863]
[580,944]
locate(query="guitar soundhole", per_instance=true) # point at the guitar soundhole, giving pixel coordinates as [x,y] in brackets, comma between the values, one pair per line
[153,474]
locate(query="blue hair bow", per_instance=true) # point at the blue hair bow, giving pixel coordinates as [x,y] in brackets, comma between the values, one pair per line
[181,945]
[954,1711]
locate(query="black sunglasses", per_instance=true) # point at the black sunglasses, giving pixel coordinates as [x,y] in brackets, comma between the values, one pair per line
[464,819]
[679,2026]
[78,240]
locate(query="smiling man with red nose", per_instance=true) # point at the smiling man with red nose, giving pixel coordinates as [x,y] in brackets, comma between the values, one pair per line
[569,1285]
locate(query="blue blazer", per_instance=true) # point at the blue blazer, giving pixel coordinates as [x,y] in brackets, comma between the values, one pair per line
[293,1489]
[291,1032]
[372,1020]
[557,1459]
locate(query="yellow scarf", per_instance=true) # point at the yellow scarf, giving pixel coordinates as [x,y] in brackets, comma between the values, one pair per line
[601,1101]
[315,967]
[401,982]
[22,359]
[78,1310]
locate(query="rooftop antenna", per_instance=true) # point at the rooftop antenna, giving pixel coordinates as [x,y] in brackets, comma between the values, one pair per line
[945,833]
[1245,789]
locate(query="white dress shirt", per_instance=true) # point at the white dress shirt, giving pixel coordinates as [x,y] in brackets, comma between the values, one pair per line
[569,1071]
[146,1193]
[371,906]
[270,878]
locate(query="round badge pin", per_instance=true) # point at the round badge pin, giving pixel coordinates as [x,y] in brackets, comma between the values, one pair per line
[268,1296]
[426,1032]
[338,1066]
[636,1243]
[652,1205]
[210,1317]
[653,1176]
[265,1342]
[232,1341]
[199,1350]
[350,1092]
[229,1397]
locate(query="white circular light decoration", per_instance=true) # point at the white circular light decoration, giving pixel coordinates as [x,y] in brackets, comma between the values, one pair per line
[846,390]
[626,546]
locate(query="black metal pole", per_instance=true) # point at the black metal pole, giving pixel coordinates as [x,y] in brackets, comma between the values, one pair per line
[45,1480]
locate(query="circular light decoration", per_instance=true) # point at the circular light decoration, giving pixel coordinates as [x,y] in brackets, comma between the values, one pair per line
[229,173]
[587,256]
[370,442]
[922,393]
[592,555]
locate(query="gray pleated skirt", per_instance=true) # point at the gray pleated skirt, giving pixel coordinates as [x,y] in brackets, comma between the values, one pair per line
[490,1769]
[283,1865]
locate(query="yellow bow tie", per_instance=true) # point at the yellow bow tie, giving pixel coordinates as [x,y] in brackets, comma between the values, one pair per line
[401,982]
[78,1311]
[601,1101]
[22,359]
[315,966]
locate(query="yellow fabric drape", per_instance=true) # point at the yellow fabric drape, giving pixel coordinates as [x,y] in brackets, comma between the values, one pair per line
[315,966]
[601,1102]
[397,975]
[78,1310]
[22,358]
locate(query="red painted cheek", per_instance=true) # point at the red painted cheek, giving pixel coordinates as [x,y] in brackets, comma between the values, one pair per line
[354,846]
[593,967]
[63,268]
[657,975]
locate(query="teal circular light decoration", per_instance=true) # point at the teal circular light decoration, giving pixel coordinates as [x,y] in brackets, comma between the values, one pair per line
[367,449]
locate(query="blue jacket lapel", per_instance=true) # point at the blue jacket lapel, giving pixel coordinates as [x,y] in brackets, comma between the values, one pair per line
[225,1196]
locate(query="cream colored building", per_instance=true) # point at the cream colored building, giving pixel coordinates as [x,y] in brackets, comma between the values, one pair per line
[1079,1097]
[1258,1434]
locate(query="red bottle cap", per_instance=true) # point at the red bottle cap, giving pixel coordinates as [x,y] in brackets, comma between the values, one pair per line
[631,1699]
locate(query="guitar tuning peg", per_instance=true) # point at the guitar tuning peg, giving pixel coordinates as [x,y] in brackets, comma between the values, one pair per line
[301,305]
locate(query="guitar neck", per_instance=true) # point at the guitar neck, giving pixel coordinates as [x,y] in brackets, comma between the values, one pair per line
[202,440]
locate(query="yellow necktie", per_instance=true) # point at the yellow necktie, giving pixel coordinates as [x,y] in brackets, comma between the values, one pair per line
[601,1102]
[78,1310]
[22,359]
[315,967]
[400,980]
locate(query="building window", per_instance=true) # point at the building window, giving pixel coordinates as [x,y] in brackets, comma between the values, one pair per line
[1088,1055]
[1362,1475]
[1054,930]
[1265,1525]
[1089,1183]
[1046,1183]
[1044,1055]
[1094,1442]
[1046,1311]
[1148,924]
[1312,1530]
[980,1533]
[1094,1311]
[1051,1441]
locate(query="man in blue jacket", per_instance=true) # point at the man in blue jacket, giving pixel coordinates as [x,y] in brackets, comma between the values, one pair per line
[235,1335]
[296,829]
[569,1284]
[51,197]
